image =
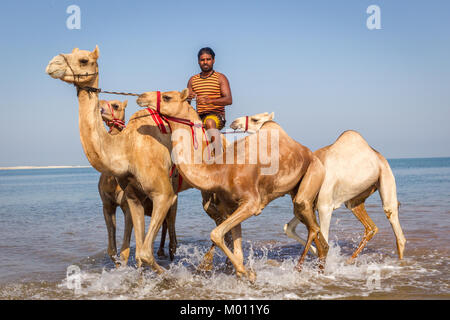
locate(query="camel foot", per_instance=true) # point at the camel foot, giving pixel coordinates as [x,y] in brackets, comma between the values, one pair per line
[151,263]
[207,262]
[119,263]
[206,265]
[172,252]
[161,253]
[249,275]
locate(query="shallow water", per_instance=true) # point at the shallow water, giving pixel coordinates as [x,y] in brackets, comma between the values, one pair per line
[52,219]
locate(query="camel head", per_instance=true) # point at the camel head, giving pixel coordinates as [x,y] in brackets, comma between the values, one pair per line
[79,67]
[112,109]
[253,123]
[172,103]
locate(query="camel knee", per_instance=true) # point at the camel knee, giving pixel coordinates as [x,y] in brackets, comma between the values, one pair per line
[388,212]
[303,210]
[373,231]
[217,237]
[301,205]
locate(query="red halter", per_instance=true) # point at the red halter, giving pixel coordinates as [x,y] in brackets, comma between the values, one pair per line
[246,123]
[158,117]
[120,124]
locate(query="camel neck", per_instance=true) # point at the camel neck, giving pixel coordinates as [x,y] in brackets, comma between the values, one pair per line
[98,145]
[190,160]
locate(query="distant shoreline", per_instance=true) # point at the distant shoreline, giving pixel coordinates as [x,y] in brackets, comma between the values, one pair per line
[75,167]
[42,167]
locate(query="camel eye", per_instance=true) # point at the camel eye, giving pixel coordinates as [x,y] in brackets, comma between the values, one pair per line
[84,61]
[115,106]
[166,98]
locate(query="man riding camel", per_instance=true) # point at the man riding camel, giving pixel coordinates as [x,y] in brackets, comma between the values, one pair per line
[212,91]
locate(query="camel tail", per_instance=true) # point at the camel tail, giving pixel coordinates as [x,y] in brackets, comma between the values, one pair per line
[388,193]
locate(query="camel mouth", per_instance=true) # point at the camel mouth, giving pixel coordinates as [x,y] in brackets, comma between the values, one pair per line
[56,68]
[143,104]
[235,126]
[55,74]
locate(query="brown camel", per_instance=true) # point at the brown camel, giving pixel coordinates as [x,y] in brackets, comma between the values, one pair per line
[139,156]
[354,171]
[112,195]
[243,181]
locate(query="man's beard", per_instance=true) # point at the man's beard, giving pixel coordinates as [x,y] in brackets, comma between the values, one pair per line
[206,68]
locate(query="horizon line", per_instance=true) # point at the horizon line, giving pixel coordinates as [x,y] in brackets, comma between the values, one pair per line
[89,166]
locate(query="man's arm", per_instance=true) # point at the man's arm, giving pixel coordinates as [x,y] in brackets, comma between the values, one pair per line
[225,92]
[191,91]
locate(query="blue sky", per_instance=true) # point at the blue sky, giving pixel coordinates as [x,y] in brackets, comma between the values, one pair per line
[314,63]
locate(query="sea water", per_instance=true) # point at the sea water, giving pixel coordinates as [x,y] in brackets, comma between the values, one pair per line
[51,220]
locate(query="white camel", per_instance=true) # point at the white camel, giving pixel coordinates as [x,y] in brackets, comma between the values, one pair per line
[353,171]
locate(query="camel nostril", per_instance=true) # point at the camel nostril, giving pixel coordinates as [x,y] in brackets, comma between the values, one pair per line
[102,111]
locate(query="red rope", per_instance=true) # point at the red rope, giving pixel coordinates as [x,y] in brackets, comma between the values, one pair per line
[120,124]
[158,118]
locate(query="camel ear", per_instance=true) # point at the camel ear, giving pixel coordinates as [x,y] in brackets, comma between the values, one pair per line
[124,104]
[271,116]
[184,94]
[75,50]
[96,53]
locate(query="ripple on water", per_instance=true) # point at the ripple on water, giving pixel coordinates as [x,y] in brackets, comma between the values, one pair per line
[372,276]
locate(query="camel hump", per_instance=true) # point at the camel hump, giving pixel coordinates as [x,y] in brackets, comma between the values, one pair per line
[272,125]
[351,136]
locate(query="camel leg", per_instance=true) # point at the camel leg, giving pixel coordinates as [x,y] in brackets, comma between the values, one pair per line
[305,214]
[289,229]
[170,224]
[218,217]
[237,243]
[388,194]
[215,214]
[236,234]
[137,216]
[370,228]
[160,251]
[392,215]
[109,212]
[303,210]
[325,213]
[244,211]
[161,206]
[125,250]
[207,261]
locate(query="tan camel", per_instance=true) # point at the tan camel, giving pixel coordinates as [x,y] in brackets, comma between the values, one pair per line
[243,188]
[112,195]
[139,156]
[354,171]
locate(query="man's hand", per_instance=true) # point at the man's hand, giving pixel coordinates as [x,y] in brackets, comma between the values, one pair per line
[204,100]
[191,96]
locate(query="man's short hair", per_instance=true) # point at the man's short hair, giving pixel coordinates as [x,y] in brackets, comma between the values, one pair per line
[207,50]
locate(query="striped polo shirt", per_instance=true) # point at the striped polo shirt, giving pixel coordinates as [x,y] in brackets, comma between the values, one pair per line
[207,87]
